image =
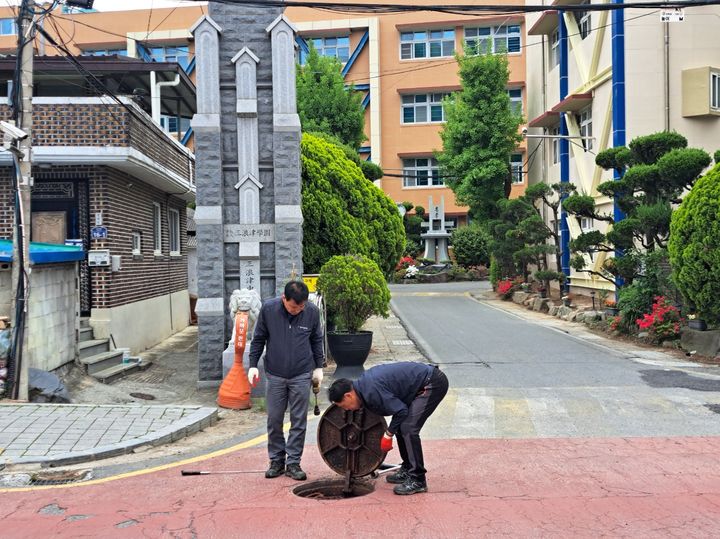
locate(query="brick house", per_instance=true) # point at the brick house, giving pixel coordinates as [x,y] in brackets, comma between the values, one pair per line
[100,163]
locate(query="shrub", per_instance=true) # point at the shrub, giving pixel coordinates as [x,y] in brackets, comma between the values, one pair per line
[470,246]
[354,289]
[343,212]
[494,272]
[716,157]
[662,322]
[505,288]
[694,246]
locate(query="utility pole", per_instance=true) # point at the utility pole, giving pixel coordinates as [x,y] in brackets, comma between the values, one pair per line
[21,236]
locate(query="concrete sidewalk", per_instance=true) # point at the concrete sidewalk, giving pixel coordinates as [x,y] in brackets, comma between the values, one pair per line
[110,420]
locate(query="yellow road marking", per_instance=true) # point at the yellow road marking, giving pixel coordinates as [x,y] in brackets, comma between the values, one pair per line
[243,445]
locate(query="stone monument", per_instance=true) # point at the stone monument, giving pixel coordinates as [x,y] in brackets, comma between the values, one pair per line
[438,232]
[247,149]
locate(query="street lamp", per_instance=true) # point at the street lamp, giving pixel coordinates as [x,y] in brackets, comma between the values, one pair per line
[592,295]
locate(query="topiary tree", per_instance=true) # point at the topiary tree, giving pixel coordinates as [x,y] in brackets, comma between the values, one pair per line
[354,290]
[657,168]
[323,102]
[480,135]
[413,228]
[716,156]
[470,245]
[343,212]
[694,246]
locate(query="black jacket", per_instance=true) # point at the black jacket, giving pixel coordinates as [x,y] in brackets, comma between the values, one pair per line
[389,389]
[293,344]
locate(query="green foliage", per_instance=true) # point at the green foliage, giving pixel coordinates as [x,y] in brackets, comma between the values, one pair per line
[649,148]
[549,275]
[324,104]
[354,290]
[695,246]
[637,298]
[470,246]
[494,272]
[413,229]
[657,169]
[419,210]
[480,135]
[344,212]
[716,157]
[370,170]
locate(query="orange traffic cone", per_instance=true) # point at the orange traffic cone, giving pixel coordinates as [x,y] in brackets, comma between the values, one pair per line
[235,390]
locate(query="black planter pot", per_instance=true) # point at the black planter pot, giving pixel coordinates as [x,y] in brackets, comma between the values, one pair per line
[697,324]
[612,311]
[349,350]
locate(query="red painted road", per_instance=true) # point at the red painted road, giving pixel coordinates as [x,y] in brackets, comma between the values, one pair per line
[638,487]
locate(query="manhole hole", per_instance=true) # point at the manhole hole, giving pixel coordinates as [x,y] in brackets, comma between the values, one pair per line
[332,489]
[144,396]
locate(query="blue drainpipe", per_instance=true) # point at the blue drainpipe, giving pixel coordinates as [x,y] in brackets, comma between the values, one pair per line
[618,96]
[564,149]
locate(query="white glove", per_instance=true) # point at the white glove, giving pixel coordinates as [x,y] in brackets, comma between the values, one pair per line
[253,376]
[317,376]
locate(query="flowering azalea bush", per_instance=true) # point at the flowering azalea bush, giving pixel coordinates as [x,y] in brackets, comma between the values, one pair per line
[505,288]
[614,323]
[405,262]
[663,322]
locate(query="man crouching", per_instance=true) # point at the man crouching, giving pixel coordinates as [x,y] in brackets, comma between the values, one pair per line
[407,391]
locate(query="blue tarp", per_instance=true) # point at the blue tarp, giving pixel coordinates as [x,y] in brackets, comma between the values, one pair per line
[44,253]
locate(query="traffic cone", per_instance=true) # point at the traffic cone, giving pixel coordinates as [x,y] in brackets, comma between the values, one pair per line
[234,392]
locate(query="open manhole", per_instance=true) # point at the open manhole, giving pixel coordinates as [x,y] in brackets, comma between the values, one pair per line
[333,489]
[44,478]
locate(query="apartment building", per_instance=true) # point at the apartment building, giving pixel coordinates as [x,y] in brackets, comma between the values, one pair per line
[671,82]
[404,64]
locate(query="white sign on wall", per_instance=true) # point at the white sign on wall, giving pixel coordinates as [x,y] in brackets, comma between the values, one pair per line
[676,14]
[99,257]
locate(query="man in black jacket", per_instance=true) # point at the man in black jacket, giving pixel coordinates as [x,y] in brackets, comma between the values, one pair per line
[288,329]
[407,391]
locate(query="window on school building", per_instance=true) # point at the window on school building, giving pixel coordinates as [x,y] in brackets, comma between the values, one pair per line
[586,224]
[555,151]
[715,90]
[171,53]
[335,47]
[8,27]
[105,52]
[174,231]
[583,21]
[555,49]
[157,229]
[421,172]
[516,104]
[495,39]
[427,44]
[516,167]
[584,120]
[423,108]
[173,124]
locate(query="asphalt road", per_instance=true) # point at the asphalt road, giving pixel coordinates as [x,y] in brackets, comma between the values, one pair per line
[512,377]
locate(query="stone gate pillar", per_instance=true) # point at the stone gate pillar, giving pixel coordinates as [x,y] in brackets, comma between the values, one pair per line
[247,148]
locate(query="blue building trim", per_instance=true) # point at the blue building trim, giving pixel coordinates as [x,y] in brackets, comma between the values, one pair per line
[356,52]
[190,67]
[364,149]
[360,87]
[143,52]
[366,101]
[618,97]
[44,253]
[564,148]
[186,136]
[303,47]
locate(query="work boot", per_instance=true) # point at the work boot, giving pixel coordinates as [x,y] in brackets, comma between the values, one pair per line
[398,478]
[276,469]
[294,471]
[410,486]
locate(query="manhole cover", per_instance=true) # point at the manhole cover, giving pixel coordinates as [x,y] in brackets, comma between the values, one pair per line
[333,489]
[144,396]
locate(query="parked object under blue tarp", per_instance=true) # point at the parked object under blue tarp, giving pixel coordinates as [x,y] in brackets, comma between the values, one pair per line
[44,253]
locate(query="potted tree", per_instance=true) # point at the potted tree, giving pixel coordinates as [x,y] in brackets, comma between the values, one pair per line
[354,289]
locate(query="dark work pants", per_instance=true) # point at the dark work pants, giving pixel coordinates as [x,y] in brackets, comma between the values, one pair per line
[420,409]
[281,394]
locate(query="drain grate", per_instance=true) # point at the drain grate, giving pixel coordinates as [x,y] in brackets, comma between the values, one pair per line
[402,342]
[144,396]
[59,477]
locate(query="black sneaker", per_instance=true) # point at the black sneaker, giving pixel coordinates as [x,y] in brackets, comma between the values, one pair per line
[411,486]
[398,478]
[294,471]
[276,469]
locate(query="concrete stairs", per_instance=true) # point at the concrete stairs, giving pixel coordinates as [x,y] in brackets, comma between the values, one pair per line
[98,360]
